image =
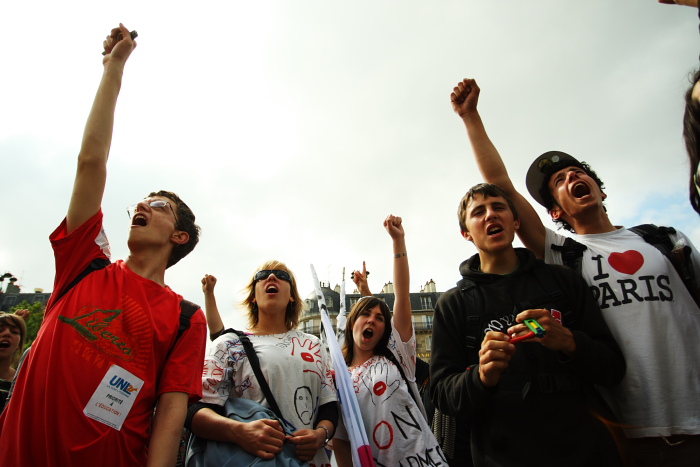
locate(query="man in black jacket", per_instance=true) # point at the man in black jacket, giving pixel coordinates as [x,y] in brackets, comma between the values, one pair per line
[534,402]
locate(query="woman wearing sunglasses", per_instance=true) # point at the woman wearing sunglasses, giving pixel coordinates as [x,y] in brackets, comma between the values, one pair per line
[295,365]
[381,355]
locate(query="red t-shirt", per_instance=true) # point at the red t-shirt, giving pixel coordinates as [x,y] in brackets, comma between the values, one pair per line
[112,317]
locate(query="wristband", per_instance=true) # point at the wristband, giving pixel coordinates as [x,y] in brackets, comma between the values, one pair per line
[328,434]
[399,255]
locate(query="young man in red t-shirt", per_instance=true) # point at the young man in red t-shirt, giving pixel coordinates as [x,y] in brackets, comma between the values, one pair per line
[108,351]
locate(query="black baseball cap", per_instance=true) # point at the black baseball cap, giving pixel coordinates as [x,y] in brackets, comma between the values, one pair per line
[536,172]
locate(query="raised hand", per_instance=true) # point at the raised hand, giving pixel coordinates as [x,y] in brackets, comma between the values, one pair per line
[208,283]
[360,280]
[392,224]
[118,45]
[214,321]
[23,313]
[465,97]
[691,3]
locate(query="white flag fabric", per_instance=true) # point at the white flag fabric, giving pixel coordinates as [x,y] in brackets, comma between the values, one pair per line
[341,320]
[350,409]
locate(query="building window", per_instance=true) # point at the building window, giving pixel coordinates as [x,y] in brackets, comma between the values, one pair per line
[426,303]
[429,343]
[353,301]
[429,321]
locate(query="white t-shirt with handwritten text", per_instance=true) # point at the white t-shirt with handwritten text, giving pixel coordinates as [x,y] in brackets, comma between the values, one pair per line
[396,426]
[295,365]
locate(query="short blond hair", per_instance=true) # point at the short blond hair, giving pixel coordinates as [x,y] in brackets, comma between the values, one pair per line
[293,310]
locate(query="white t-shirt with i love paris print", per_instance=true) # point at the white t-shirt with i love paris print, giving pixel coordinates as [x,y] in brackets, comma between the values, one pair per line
[656,324]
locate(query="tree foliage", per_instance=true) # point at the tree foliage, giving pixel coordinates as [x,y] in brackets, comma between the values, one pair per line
[36,317]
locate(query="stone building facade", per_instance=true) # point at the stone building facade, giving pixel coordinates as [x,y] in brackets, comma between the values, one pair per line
[422,306]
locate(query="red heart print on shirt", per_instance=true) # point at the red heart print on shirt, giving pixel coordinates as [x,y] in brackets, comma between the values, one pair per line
[628,262]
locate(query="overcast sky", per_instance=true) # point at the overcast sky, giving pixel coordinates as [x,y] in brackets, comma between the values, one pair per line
[292,128]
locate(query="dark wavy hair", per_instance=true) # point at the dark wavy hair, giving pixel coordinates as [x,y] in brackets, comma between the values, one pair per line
[487,190]
[691,136]
[367,303]
[546,193]
[185,222]
[293,309]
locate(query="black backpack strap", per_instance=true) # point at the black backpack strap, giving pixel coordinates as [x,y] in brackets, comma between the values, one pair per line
[656,236]
[95,264]
[469,290]
[255,363]
[660,238]
[571,253]
[187,310]
[216,335]
[393,360]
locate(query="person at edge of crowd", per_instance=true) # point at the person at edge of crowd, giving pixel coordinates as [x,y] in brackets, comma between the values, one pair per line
[13,331]
[295,364]
[531,403]
[392,412]
[648,308]
[108,351]
[691,123]
[691,137]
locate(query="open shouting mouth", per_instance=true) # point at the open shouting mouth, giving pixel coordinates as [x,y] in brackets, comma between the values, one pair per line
[494,229]
[580,190]
[139,219]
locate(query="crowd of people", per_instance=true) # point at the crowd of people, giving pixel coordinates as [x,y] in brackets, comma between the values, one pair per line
[120,372]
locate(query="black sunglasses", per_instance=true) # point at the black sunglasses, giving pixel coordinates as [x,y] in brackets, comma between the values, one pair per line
[279,274]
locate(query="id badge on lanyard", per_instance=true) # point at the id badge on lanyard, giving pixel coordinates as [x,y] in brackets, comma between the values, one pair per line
[114,397]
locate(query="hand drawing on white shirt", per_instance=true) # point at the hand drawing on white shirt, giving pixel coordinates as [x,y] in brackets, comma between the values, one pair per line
[376,380]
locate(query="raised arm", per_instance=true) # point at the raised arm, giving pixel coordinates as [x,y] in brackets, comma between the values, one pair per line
[691,3]
[91,174]
[402,278]
[465,98]
[214,321]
